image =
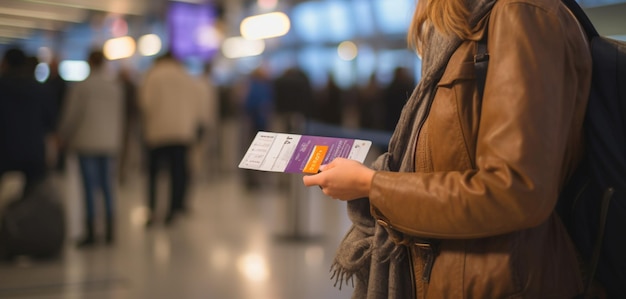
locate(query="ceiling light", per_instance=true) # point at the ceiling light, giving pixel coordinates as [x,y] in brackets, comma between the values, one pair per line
[149,45]
[16,33]
[264,26]
[30,24]
[122,7]
[74,70]
[239,47]
[118,48]
[67,17]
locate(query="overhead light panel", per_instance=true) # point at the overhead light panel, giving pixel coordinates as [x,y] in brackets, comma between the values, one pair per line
[119,48]
[74,70]
[190,1]
[45,15]
[265,26]
[239,47]
[121,7]
[30,24]
[150,45]
[15,33]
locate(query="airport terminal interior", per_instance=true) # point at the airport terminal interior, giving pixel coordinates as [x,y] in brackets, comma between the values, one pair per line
[275,239]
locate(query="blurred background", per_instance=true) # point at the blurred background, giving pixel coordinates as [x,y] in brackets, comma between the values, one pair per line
[335,68]
[350,39]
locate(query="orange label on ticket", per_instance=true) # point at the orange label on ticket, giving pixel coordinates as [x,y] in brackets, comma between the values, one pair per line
[316,159]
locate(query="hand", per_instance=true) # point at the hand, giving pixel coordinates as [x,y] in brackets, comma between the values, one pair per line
[342,179]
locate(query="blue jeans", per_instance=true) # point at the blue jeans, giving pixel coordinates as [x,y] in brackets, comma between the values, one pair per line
[97,174]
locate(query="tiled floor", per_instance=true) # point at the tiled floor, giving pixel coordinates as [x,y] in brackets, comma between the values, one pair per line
[234,243]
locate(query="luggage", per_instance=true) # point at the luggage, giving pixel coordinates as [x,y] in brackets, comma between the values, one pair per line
[33,225]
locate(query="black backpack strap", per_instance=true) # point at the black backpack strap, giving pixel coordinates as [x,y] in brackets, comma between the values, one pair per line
[481,61]
[597,244]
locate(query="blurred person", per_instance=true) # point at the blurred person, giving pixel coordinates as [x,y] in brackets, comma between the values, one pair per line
[370,105]
[462,204]
[131,131]
[259,100]
[329,105]
[170,101]
[259,106]
[396,95]
[204,153]
[58,87]
[293,99]
[31,65]
[26,119]
[91,127]
[211,102]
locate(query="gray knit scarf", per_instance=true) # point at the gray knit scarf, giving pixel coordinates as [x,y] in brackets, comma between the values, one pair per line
[367,252]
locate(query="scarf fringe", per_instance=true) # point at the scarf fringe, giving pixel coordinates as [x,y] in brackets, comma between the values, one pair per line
[341,276]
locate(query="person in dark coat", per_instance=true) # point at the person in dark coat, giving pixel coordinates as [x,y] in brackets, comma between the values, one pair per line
[57,87]
[330,103]
[293,99]
[26,118]
[396,95]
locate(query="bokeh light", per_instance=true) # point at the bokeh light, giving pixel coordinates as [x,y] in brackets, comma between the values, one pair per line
[118,48]
[74,70]
[347,50]
[239,47]
[149,45]
[42,72]
[264,26]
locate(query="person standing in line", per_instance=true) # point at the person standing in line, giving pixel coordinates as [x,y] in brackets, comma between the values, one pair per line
[293,99]
[329,103]
[131,124]
[91,127]
[170,101]
[58,89]
[370,104]
[259,109]
[463,203]
[395,96]
[26,120]
[204,153]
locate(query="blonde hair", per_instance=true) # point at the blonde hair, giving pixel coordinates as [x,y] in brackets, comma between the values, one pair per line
[449,17]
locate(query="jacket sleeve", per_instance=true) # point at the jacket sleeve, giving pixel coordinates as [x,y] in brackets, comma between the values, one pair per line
[525,121]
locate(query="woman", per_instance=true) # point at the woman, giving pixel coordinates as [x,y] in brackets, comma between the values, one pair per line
[462,204]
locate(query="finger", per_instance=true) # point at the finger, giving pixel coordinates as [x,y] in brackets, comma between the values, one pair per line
[310,180]
[330,165]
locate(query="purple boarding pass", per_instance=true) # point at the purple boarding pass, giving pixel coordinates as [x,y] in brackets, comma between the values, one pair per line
[293,153]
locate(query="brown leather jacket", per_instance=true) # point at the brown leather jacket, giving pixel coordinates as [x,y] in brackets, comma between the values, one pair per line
[488,172]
